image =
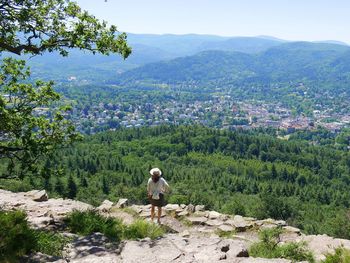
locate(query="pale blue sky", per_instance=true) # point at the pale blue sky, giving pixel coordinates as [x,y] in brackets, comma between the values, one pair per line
[287,19]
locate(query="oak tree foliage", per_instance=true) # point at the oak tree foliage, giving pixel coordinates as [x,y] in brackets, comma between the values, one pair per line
[31,122]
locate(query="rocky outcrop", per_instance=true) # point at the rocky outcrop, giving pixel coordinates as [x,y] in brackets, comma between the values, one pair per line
[193,233]
[174,248]
[45,214]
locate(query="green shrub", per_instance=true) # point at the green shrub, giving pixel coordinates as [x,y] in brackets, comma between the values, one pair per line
[341,255]
[50,243]
[269,247]
[15,185]
[142,229]
[225,234]
[88,222]
[16,238]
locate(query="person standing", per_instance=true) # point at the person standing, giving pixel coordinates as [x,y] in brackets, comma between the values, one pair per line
[156,187]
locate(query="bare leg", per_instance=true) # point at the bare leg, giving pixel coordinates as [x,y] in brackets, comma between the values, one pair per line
[159,213]
[152,213]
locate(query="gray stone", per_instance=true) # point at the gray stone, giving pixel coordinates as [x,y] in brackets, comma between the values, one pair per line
[213,222]
[106,206]
[226,228]
[172,207]
[199,208]
[191,208]
[197,220]
[241,224]
[185,233]
[291,229]
[183,213]
[38,196]
[122,203]
[213,215]
[262,260]
[323,244]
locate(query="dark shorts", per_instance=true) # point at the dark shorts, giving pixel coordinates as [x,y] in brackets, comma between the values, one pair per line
[158,202]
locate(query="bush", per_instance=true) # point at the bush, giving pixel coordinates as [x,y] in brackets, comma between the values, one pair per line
[50,243]
[341,255]
[14,185]
[269,247]
[142,229]
[16,238]
[88,222]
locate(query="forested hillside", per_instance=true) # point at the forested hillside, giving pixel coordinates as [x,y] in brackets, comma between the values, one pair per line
[296,61]
[252,174]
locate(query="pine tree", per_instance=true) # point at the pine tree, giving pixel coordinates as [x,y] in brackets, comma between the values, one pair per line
[71,188]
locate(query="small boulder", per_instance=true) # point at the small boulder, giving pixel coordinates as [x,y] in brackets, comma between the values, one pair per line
[213,215]
[122,203]
[172,207]
[183,213]
[226,228]
[292,229]
[191,208]
[213,222]
[38,196]
[197,220]
[106,206]
[199,208]
[185,233]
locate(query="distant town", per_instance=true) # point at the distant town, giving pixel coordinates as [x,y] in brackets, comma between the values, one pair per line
[220,112]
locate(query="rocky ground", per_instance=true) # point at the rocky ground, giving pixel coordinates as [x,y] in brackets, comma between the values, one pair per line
[195,234]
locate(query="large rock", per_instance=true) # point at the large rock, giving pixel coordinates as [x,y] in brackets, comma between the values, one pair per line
[213,222]
[199,208]
[197,220]
[292,229]
[122,203]
[240,223]
[213,215]
[191,208]
[38,195]
[323,244]
[226,228]
[262,260]
[150,251]
[173,208]
[106,206]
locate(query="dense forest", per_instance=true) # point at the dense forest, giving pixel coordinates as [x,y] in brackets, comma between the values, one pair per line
[251,173]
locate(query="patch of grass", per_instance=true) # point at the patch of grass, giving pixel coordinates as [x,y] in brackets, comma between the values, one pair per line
[18,239]
[269,247]
[130,211]
[50,243]
[341,255]
[225,234]
[185,221]
[142,229]
[88,222]
[14,185]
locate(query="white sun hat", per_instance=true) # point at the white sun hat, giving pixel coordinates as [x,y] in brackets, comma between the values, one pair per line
[155,171]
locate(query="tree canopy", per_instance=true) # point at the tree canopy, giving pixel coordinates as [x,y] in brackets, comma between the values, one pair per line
[36,26]
[31,122]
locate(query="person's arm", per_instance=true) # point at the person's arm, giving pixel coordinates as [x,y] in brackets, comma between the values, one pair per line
[166,186]
[149,189]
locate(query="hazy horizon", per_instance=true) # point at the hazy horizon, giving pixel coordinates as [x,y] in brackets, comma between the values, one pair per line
[297,20]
